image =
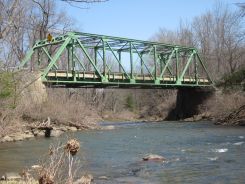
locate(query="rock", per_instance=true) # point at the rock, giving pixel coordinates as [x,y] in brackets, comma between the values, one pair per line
[39,133]
[86,179]
[152,157]
[12,176]
[56,133]
[27,132]
[103,178]
[110,127]
[28,136]
[189,119]
[63,128]
[18,138]
[36,167]
[131,180]
[198,117]
[7,139]
[73,129]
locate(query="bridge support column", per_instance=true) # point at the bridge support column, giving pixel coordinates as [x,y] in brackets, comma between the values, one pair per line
[187,102]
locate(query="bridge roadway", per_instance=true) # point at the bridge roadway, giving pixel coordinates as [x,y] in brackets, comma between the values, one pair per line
[116,79]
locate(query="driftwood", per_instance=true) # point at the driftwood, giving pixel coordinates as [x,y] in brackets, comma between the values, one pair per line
[237,117]
[45,125]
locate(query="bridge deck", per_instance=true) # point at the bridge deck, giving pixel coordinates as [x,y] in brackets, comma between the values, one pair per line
[116,79]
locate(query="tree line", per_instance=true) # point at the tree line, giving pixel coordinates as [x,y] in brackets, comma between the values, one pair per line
[219,34]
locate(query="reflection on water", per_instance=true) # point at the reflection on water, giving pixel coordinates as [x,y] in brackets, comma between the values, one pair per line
[196,153]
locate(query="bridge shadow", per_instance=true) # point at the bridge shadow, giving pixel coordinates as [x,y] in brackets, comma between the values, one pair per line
[188,101]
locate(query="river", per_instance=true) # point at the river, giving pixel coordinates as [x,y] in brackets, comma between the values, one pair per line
[196,153]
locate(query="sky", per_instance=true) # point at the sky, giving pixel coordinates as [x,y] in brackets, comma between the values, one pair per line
[138,19]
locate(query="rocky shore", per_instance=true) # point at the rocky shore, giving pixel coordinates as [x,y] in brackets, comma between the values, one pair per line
[45,129]
[54,129]
[28,134]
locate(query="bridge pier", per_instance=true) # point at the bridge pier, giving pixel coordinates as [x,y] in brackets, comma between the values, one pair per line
[187,102]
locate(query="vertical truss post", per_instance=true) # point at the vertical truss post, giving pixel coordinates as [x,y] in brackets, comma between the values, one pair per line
[73,61]
[120,60]
[68,58]
[38,57]
[103,79]
[95,56]
[72,57]
[155,62]
[204,67]
[196,71]
[131,63]
[141,65]
[161,59]
[168,62]
[104,58]
[125,73]
[179,81]
[142,60]
[177,64]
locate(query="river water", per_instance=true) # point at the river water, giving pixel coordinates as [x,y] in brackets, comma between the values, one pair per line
[196,153]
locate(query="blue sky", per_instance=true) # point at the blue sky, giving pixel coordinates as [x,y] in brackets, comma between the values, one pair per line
[138,19]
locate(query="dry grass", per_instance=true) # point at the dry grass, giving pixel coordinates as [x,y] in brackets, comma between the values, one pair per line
[160,105]
[9,122]
[60,165]
[20,182]
[62,109]
[221,104]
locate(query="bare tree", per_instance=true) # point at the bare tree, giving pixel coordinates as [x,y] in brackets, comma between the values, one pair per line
[219,35]
[242,6]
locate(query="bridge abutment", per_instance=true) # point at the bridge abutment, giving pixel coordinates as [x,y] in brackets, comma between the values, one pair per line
[188,101]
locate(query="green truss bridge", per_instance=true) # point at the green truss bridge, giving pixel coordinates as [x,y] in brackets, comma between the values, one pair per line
[80,59]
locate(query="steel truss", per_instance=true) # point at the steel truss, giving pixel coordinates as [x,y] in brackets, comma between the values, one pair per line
[82,59]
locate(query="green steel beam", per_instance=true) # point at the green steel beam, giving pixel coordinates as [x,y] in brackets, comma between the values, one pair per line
[142,61]
[104,57]
[131,61]
[119,62]
[26,58]
[80,62]
[167,63]
[55,58]
[164,57]
[50,58]
[90,59]
[204,67]
[179,80]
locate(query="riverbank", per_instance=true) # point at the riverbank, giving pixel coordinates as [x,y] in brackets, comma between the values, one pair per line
[33,128]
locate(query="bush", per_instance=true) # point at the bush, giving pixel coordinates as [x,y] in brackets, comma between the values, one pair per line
[234,80]
[6,85]
[130,102]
